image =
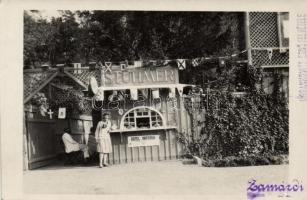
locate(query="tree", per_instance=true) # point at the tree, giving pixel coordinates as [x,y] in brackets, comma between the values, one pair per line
[84,36]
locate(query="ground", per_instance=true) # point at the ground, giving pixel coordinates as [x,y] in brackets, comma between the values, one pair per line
[167,177]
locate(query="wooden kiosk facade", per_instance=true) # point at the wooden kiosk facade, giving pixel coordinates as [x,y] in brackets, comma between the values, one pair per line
[147,113]
[146,106]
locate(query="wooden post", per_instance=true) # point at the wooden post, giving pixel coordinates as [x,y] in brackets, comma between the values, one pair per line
[102,83]
[247,38]
[49,91]
[25,146]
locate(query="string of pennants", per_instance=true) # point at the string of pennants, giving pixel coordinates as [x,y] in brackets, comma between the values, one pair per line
[180,63]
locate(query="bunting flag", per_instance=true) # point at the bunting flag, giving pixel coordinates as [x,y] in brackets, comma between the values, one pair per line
[99,64]
[196,62]
[108,66]
[77,66]
[180,90]
[181,64]
[138,63]
[123,66]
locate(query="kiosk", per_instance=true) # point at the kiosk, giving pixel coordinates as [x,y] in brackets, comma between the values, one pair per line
[147,112]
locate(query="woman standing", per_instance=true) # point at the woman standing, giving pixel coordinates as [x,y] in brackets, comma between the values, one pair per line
[102,135]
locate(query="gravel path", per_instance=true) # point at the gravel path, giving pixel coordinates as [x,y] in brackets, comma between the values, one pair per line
[167,177]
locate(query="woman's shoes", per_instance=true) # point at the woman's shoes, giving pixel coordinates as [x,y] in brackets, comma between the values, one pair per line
[105,165]
[100,166]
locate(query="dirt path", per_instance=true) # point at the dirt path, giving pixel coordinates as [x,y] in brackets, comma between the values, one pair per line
[169,177]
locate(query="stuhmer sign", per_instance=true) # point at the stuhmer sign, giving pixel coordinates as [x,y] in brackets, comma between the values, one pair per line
[141,76]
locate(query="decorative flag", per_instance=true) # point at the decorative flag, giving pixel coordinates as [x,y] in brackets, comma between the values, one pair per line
[180,90]
[195,62]
[99,64]
[155,94]
[138,63]
[166,62]
[62,113]
[108,66]
[181,64]
[123,66]
[134,94]
[77,67]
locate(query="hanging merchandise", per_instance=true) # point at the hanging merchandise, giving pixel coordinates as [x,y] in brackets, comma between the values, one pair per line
[93,85]
[121,95]
[155,94]
[97,105]
[134,94]
[120,111]
[62,113]
[144,93]
[270,53]
[157,103]
[108,67]
[196,62]
[113,96]
[172,93]
[99,96]
[181,64]
[180,90]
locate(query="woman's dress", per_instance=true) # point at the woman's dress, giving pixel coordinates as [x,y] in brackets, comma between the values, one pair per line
[103,138]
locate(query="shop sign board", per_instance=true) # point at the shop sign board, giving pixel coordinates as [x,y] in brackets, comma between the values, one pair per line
[144,140]
[140,76]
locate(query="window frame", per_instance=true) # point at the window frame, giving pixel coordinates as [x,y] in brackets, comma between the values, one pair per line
[134,115]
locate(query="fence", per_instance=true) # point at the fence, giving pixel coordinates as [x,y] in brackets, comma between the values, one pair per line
[40,142]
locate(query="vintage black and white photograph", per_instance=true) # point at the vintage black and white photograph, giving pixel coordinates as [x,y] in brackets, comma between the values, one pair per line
[155,102]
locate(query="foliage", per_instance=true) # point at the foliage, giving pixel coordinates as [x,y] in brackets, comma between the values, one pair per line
[72,99]
[50,42]
[40,100]
[233,161]
[253,125]
[84,36]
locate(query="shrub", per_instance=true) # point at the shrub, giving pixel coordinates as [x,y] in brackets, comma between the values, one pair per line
[252,127]
[255,125]
[233,161]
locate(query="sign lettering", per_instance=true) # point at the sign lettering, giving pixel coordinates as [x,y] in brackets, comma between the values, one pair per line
[141,76]
[145,140]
